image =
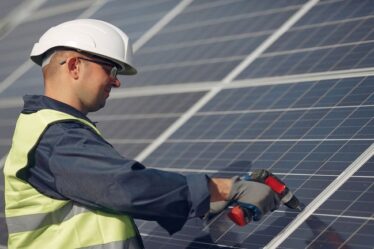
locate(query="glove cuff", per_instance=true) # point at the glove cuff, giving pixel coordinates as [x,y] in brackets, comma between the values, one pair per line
[235,188]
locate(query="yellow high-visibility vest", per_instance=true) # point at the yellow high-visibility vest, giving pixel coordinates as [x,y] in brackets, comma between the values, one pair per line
[37,221]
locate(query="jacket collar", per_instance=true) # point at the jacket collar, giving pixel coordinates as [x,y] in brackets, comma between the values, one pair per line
[34,103]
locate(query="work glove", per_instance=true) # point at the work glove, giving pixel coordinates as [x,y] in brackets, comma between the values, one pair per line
[254,197]
[217,207]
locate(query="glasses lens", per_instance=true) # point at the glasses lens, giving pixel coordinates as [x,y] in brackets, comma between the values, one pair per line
[113,72]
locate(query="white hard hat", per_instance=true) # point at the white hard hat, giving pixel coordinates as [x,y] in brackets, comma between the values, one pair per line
[88,35]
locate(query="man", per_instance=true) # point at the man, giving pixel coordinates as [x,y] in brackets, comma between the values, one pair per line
[66,187]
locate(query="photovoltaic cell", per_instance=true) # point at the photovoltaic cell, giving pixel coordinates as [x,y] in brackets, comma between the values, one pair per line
[128,149]
[309,133]
[135,17]
[17,45]
[368,168]
[211,49]
[131,123]
[8,6]
[141,128]
[196,72]
[309,157]
[345,220]
[332,232]
[326,93]
[187,50]
[354,198]
[201,11]
[306,132]
[321,42]
[154,104]
[327,11]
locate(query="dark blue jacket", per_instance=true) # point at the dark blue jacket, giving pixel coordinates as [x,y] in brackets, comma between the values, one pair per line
[72,162]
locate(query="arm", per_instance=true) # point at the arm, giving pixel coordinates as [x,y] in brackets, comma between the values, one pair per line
[73,163]
[219,189]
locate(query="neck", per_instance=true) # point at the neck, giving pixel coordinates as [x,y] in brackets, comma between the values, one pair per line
[66,100]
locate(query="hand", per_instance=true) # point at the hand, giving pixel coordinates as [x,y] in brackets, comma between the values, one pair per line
[219,189]
[254,196]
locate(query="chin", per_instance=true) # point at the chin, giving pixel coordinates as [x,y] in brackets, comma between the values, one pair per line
[96,108]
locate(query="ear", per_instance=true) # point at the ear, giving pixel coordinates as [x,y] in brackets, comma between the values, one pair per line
[73,67]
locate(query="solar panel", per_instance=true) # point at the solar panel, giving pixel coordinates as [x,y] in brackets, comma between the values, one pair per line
[219,92]
[321,42]
[208,38]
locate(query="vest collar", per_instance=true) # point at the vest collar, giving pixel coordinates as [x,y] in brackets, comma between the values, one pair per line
[34,103]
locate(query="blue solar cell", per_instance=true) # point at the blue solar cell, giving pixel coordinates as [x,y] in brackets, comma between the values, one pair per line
[354,198]
[139,128]
[200,11]
[16,46]
[337,10]
[301,156]
[307,132]
[216,28]
[199,51]
[193,72]
[331,232]
[367,169]
[283,96]
[134,17]
[7,6]
[154,104]
[128,149]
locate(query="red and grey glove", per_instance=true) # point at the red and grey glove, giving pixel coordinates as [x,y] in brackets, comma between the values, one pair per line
[253,197]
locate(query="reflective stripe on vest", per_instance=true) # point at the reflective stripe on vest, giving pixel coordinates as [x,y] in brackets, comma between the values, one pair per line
[37,221]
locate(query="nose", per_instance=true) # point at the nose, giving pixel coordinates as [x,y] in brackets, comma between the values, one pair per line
[115,82]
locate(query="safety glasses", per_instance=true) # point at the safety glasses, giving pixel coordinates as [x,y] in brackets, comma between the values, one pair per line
[113,69]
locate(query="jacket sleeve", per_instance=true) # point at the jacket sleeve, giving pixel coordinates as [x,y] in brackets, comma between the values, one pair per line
[72,162]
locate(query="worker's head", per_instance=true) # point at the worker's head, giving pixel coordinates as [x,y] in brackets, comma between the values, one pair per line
[81,60]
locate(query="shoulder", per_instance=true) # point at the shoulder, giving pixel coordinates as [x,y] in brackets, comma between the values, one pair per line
[71,132]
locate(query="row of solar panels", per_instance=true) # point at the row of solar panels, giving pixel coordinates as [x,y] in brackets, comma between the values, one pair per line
[305,129]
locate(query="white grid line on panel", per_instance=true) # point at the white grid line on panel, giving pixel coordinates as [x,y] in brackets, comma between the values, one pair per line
[58,10]
[231,172]
[310,49]
[265,140]
[216,89]
[321,198]
[160,24]
[229,19]
[289,109]
[185,240]
[134,116]
[316,25]
[226,246]
[256,34]
[343,245]
[190,63]
[340,216]
[204,41]
[290,148]
[270,40]
[21,70]
[18,15]
[129,141]
[345,216]
[233,58]
[306,132]
[206,86]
